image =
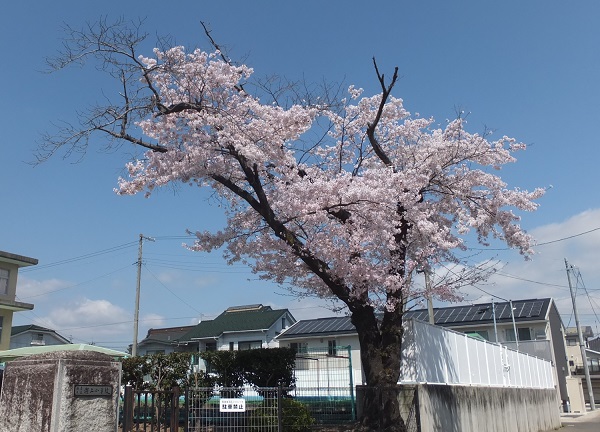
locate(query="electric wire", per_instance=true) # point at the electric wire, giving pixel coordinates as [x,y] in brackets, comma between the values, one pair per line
[187,303]
[541,243]
[588,295]
[79,258]
[76,285]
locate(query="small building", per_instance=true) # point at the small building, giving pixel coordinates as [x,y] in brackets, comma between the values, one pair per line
[539,328]
[9,268]
[594,344]
[430,354]
[539,331]
[592,352]
[33,335]
[329,344]
[239,328]
[162,340]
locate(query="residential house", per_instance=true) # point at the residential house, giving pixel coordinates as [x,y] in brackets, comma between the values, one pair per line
[330,343]
[539,331]
[239,328]
[33,335]
[539,328]
[162,340]
[430,354]
[9,267]
[574,351]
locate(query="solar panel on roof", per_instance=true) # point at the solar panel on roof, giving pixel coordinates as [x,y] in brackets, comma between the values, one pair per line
[463,314]
[419,316]
[445,315]
[527,308]
[503,311]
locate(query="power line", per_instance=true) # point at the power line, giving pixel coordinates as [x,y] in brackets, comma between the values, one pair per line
[187,303]
[567,238]
[530,280]
[542,243]
[79,258]
[76,285]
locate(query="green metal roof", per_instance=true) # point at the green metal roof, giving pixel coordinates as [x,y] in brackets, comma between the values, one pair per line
[27,351]
[236,319]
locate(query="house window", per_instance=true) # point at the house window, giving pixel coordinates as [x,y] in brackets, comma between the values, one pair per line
[331,347]
[4,274]
[151,352]
[523,332]
[231,346]
[483,334]
[299,347]
[303,361]
[38,339]
[282,323]
[210,346]
[248,345]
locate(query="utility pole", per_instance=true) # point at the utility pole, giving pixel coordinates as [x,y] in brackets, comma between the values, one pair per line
[429,300]
[494,316]
[586,370]
[136,313]
[512,314]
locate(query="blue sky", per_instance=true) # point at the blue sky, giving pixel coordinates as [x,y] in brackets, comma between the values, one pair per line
[525,69]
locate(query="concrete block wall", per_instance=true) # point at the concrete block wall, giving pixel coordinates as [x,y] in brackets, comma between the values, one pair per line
[491,409]
[453,408]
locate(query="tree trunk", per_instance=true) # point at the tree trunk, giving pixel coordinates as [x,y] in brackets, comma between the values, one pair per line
[380,348]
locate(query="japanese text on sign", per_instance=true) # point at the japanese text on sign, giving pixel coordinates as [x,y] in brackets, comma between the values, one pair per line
[232,405]
[93,390]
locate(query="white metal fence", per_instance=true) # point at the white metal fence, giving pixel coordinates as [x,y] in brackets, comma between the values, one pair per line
[438,355]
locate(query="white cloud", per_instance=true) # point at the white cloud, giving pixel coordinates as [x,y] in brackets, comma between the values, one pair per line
[30,288]
[87,320]
[205,281]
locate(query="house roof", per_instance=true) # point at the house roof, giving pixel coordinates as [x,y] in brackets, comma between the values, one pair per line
[20,260]
[165,335]
[319,327]
[586,331]
[454,316]
[482,313]
[16,330]
[236,319]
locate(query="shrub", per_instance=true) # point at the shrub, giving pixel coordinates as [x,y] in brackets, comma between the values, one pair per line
[295,416]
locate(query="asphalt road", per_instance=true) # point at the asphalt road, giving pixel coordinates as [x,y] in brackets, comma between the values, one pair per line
[589,422]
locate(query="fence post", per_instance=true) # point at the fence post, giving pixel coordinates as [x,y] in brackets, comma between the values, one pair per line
[280,407]
[186,417]
[175,409]
[128,409]
[352,402]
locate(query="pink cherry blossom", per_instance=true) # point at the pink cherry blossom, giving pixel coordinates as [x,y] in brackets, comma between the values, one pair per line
[337,212]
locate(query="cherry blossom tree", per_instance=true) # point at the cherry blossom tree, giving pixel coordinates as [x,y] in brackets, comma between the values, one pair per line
[343,202]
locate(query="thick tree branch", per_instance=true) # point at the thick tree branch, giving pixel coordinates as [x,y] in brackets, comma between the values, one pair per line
[386,90]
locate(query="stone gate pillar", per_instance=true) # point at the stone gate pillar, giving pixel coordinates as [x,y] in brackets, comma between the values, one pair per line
[63,391]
